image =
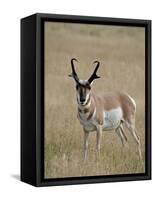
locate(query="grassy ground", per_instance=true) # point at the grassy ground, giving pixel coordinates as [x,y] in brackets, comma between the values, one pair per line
[121,53]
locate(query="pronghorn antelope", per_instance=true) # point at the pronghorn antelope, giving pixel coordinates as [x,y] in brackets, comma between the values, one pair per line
[109,111]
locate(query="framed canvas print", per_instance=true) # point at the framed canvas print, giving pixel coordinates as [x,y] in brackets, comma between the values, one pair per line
[85,99]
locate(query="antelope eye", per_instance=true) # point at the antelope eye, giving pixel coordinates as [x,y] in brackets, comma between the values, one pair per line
[88,86]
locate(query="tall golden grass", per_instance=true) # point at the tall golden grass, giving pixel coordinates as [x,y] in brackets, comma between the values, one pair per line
[121,52]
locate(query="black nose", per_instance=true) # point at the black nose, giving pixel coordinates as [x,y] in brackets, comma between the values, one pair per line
[82,100]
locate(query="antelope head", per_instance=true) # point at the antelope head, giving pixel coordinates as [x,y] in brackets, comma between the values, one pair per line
[83,87]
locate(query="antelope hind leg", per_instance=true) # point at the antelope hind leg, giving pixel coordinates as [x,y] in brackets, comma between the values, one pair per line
[136,138]
[123,133]
[119,133]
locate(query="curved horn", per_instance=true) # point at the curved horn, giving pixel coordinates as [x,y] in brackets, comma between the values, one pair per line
[74,74]
[94,75]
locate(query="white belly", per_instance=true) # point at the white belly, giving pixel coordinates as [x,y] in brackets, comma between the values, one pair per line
[111,120]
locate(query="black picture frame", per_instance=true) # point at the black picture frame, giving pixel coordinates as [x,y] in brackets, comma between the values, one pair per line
[32,99]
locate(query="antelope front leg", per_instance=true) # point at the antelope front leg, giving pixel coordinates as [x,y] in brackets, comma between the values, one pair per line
[86,135]
[98,141]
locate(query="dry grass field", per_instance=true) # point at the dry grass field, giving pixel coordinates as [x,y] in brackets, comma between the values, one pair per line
[121,51]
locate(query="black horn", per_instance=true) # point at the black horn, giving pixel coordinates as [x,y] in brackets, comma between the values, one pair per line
[94,75]
[74,74]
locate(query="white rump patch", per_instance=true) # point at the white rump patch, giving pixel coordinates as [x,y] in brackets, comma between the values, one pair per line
[112,118]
